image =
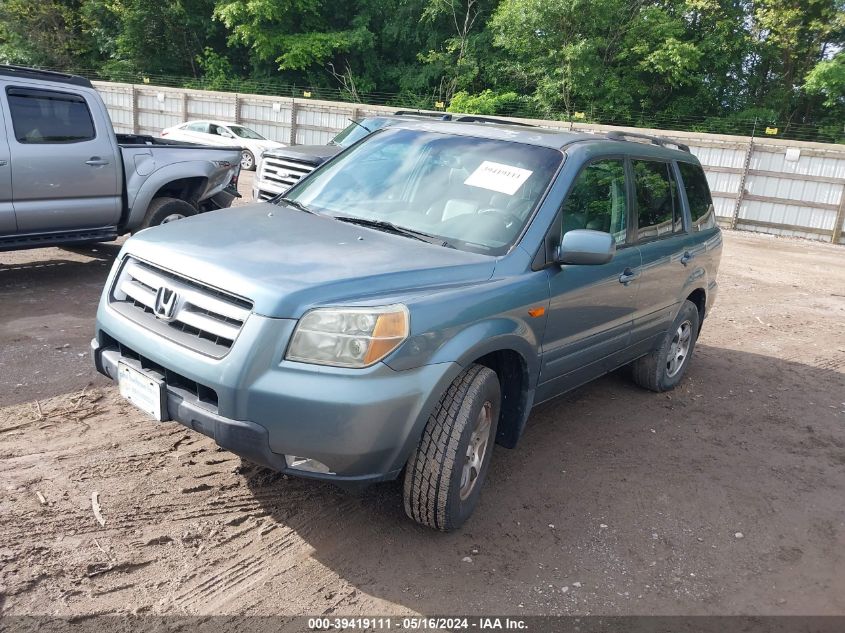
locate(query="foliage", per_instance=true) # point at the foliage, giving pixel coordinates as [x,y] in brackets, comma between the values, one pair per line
[693,64]
[487,102]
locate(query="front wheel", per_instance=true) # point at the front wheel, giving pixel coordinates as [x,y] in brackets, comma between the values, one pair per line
[445,473]
[247,160]
[663,368]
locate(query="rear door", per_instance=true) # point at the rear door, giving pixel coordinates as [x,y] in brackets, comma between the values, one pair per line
[592,307]
[65,172]
[7,210]
[662,239]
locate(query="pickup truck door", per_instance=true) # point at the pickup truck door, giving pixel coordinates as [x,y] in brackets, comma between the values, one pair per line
[591,307]
[66,173]
[664,245]
[7,211]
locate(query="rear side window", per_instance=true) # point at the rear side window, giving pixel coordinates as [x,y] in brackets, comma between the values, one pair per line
[47,116]
[199,127]
[658,203]
[698,195]
[597,200]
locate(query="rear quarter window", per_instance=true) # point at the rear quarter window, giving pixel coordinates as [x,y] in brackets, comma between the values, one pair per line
[658,201]
[47,116]
[701,208]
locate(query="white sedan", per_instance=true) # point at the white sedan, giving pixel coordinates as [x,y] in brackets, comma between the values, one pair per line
[224,134]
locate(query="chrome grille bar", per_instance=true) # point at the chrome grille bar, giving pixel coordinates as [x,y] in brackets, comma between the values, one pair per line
[284,171]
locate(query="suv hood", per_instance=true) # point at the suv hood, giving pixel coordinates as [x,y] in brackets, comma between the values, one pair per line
[311,154]
[286,261]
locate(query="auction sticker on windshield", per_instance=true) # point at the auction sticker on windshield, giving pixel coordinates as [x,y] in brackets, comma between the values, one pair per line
[498,177]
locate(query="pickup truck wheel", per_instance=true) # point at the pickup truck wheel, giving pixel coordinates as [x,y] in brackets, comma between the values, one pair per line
[445,473]
[247,160]
[164,210]
[664,368]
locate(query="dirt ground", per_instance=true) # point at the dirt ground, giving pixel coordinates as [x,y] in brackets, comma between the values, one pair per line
[726,496]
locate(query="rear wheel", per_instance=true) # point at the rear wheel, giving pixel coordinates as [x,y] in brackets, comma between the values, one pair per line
[164,210]
[664,368]
[247,160]
[445,474]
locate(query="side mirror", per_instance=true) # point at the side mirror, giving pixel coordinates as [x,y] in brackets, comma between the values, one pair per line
[586,247]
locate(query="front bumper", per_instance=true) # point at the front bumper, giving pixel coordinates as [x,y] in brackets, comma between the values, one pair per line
[362,424]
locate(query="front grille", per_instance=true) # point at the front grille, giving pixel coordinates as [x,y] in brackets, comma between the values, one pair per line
[201,318]
[284,172]
[264,196]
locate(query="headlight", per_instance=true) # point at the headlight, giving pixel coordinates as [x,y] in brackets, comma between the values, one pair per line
[349,337]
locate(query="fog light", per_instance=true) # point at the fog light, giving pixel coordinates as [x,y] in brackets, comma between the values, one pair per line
[307,464]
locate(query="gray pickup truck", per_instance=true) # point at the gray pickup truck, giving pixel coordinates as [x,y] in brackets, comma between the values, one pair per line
[67,178]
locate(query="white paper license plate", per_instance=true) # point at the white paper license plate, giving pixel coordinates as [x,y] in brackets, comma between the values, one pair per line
[143,390]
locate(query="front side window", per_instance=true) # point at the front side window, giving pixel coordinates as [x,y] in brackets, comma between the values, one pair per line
[46,116]
[597,200]
[659,210]
[701,209]
[245,132]
[473,193]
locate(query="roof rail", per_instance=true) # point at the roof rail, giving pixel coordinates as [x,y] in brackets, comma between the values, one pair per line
[662,141]
[434,115]
[44,75]
[471,118]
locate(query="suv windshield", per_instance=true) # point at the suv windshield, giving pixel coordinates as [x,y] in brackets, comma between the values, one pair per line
[357,130]
[476,194]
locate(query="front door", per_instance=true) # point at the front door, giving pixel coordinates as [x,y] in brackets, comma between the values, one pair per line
[592,307]
[65,172]
[7,211]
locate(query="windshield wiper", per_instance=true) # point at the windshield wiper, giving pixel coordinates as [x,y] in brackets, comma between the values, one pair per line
[389,227]
[369,131]
[296,204]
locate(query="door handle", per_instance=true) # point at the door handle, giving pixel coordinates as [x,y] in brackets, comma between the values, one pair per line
[628,276]
[3,163]
[686,258]
[96,161]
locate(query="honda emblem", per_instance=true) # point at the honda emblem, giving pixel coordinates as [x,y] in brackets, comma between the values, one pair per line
[165,304]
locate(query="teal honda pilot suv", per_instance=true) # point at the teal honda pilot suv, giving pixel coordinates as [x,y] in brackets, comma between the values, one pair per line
[402,309]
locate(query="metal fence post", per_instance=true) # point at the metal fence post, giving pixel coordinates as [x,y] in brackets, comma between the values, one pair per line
[184,105]
[237,108]
[134,95]
[293,110]
[741,192]
[840,218]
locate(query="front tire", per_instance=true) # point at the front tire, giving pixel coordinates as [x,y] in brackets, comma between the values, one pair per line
[664,368]
[444,475]
[247,160]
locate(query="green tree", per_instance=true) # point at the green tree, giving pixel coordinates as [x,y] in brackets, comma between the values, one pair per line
[156,37]
[48,33]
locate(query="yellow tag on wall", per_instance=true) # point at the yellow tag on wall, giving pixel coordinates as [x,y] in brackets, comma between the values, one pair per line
[579,115]
[146,80]
[439,104]
[771,130]
[307,93]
